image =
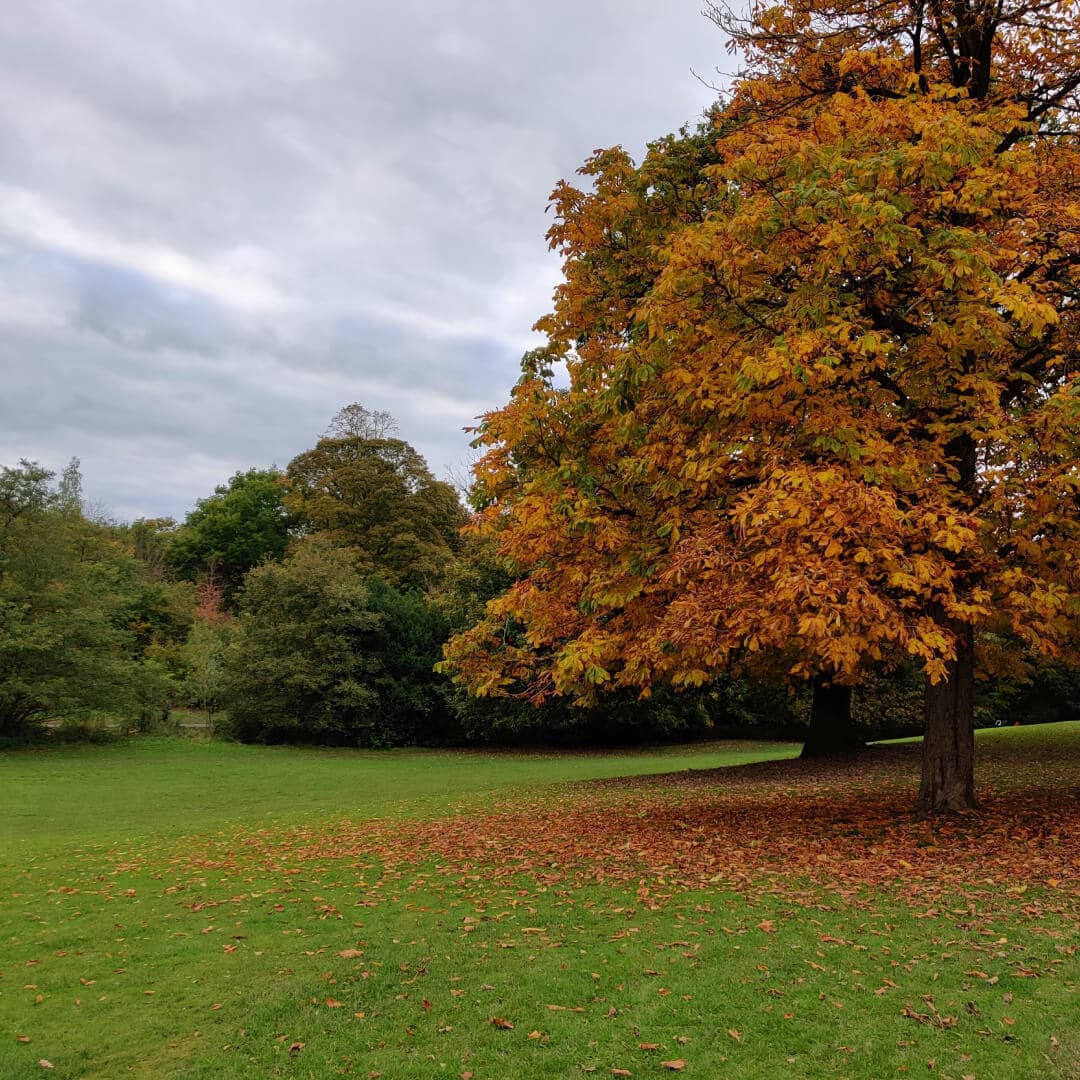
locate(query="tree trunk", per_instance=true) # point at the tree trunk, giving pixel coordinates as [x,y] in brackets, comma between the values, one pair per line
[832,731]
[948,761]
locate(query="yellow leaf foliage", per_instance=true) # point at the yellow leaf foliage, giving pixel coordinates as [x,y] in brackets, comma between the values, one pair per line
[821,400]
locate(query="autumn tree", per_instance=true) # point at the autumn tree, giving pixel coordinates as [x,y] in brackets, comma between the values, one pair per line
[204,651]
[828,413]
[376,496]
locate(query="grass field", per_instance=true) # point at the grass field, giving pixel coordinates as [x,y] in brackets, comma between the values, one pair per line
[205,910]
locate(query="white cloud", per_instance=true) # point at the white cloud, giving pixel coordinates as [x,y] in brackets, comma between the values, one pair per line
[220,222]
[237,278]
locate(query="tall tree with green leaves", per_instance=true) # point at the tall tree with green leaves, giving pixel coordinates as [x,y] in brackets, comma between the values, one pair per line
[375,496]
[242,524]
[68,590]
[325,654]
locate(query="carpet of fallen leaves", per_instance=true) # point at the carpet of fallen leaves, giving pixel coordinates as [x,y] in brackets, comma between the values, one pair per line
[787,827]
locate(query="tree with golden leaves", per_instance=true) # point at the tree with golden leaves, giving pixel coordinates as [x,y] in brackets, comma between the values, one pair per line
[829,414]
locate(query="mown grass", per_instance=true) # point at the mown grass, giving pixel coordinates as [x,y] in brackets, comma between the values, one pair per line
[297,946]
[170,786]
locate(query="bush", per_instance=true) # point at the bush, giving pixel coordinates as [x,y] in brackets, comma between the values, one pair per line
[323,656]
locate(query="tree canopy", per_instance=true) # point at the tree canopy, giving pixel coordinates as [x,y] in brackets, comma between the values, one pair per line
[376,497]
[74,605]
[324,655]
[244,522]
[822,400]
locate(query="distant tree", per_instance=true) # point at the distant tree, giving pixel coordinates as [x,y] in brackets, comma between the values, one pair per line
[324,655]
[151,540]
[204,652]
[356,422]
[376,497]
[69,489]
[24,491]
[243,523]
[67,590]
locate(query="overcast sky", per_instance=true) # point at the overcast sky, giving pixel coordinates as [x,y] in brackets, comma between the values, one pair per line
[223,220]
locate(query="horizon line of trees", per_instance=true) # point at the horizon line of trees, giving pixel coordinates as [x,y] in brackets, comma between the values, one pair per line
[313,605]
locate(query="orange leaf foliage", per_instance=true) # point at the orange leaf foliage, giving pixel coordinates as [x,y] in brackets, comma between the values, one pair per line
[822,410]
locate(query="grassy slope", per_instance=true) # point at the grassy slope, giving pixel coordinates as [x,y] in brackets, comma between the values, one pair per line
[779,920]
[173,786]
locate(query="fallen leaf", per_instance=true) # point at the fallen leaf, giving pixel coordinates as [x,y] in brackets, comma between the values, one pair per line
[501,1022]
[648,1046]
[736,1034]
[42,1063]
[295,1048]
[26,1038]
[675,1066]
[621,1072]
[351,954]
[535,1035]
[333,1003]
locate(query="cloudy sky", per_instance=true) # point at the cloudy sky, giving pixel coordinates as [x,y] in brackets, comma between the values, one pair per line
[222,220]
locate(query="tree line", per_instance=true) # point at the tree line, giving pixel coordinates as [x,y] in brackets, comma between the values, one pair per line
[314,605]
[306,605]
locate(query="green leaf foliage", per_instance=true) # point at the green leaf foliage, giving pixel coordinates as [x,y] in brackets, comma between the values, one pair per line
[376,497]
[242,524]
[69,591]
[325,656]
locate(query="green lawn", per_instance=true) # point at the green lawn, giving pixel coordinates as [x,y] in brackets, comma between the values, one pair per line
[170,909]
[168,787]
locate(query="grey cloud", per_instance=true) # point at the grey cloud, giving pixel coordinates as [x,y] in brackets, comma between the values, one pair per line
[219,222]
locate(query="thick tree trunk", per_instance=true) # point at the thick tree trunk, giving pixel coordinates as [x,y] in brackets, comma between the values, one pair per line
[832,730]
[948,762]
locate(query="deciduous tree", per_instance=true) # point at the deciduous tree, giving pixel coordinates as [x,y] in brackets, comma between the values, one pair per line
[376,496]
[244,522]
[68,589]
[324,655]
[830,412]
